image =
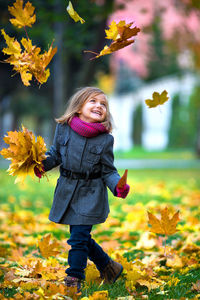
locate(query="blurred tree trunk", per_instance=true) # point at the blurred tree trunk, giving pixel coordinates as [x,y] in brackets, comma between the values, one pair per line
[198,134]
[88,69]
[58,79]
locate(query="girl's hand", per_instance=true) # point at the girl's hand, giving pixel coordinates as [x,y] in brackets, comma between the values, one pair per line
[37,172]
[123,192]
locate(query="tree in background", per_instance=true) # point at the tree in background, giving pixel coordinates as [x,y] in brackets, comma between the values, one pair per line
[180,134]
[169,43]
[70,68]
[194,118]
[168,29]
[137,126]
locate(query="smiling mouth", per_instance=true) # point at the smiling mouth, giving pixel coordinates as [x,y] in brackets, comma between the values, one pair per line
[97,113]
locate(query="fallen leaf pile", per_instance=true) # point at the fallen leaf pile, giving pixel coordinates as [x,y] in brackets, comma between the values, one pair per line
[24,152]
[26,58]
[34,251]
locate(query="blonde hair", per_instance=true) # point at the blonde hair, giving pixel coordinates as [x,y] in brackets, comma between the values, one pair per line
[77,101]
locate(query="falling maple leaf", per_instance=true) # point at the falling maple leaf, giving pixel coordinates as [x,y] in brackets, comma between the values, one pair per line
[158,99]
[120,34]
[23,16]
[24,152]
[73,14]
[47,246]
[166,225]
[123,180]
[28,62]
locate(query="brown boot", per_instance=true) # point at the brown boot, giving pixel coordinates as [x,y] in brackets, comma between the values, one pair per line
[111,272]
[73,282]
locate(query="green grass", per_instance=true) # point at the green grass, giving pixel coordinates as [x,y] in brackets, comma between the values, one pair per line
[141,153]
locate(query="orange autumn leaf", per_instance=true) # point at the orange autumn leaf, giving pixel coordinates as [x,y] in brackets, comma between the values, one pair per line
[120,34]
[158,99]
[47,246]
[196,286]
[24,152]
[99,295]
[166,225]
[22,16]
[123,180]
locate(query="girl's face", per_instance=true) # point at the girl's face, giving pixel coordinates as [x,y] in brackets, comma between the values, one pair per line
[94,109]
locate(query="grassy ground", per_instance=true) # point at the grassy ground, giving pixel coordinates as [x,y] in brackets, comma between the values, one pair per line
[141,153]
[151,271]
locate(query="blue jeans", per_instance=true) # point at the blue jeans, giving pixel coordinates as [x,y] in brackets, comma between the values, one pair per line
[82,247]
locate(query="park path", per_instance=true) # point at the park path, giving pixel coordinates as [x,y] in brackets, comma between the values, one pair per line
[157,164]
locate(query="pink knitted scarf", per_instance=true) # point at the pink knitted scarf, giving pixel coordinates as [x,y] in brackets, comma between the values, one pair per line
[87,129]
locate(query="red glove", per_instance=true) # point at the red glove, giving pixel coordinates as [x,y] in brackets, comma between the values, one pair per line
[123,192]
[37,172]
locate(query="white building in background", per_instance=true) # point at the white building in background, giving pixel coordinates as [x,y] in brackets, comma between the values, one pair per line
[156,121]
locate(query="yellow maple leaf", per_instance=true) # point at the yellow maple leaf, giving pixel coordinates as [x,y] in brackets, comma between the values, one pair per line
[23,16]
[150,284]
[24,152]
[166,225]
[47,246]
[29,62]
[120,34]
[73,14]
[14,47]
[158,99]
[112,33]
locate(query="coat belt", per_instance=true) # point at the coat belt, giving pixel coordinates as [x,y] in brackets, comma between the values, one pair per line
[78,175]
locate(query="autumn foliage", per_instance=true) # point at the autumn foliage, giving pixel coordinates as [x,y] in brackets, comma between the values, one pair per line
[166,225]
[158,99]
[34,251]
[25,57]
[24,152]
[121,35]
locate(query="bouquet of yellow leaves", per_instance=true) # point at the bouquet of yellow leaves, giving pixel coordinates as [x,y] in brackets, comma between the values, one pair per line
[25,153]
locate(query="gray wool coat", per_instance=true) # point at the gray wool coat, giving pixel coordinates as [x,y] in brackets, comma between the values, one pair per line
[81,201]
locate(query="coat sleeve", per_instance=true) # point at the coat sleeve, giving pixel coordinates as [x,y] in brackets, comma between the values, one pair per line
[109,172]
[53,155]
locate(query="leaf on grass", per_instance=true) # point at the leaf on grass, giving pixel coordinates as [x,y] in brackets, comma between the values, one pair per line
[22,16]
[28,62]
[99,295]
[158,99]
[151,284]
[73,14]
[24,152]
[196,286]
[47,246]
[123,180]
[120,34]
[166,225]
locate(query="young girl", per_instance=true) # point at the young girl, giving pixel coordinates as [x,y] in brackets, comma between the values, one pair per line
[83,147]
